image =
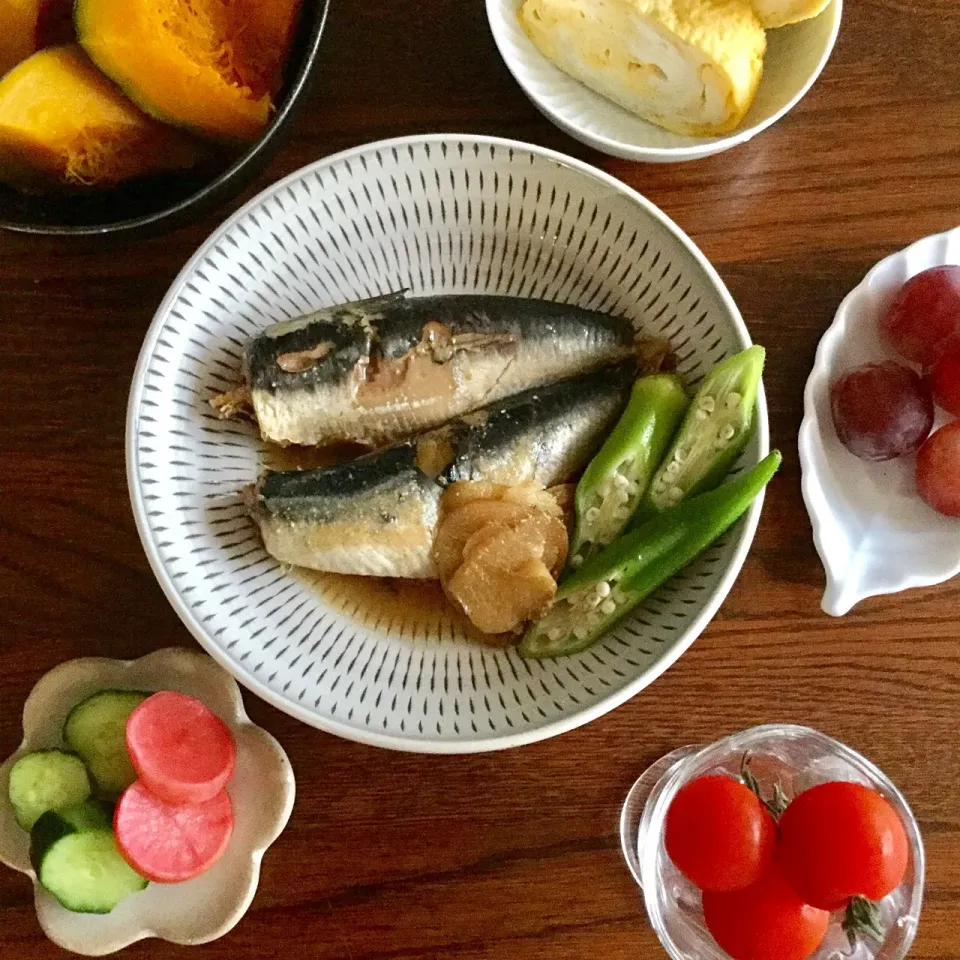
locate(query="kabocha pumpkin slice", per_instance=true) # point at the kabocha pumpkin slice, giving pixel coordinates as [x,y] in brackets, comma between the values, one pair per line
[29,25]
[263,31]
[63,123]
[178,60]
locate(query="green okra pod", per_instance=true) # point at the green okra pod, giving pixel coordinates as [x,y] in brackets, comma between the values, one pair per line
[618,476]
[713,434]
[610,585]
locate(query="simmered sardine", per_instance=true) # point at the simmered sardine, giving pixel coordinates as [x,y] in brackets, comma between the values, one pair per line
[377,515]
[380,370]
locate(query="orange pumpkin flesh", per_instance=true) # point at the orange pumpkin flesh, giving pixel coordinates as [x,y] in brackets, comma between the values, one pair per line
[209,65]
[29,25]
[64,123]
[263,31]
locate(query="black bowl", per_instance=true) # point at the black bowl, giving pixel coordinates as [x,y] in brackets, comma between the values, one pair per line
[160,203]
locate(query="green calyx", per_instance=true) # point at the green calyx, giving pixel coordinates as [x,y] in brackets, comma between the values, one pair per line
[777,803]
[862,918]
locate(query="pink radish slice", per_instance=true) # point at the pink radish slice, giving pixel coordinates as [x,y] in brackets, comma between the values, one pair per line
[170,843]
[181,750]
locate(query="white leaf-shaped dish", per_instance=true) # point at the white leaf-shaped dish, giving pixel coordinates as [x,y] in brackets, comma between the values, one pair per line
[873,532]
[262,791]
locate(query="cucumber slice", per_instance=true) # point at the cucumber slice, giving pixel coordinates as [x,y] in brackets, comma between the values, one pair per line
[97,729]
[46,780]
[76,859]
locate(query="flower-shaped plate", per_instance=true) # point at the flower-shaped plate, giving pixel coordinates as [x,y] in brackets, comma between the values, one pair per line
[262,791]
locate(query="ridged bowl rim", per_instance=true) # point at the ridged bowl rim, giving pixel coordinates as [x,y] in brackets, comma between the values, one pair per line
[744,533]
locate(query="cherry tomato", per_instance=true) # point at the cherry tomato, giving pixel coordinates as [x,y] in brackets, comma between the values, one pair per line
[718,834]
[938,470]
[839,840]
[923,322]
[945,379]
[767,921]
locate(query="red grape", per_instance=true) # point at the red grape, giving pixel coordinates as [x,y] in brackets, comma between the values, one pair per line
[881,410]
[938,470]
[923,322]
[945,380]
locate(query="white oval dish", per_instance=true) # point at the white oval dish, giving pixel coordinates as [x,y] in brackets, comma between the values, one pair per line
[796,56]
[435,214]
[262,791]
[873,532]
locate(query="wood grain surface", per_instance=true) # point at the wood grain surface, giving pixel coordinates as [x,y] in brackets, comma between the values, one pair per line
[514,855]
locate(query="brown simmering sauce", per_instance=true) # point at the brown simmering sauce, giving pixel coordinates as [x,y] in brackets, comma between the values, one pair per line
[411,609]
[293,457]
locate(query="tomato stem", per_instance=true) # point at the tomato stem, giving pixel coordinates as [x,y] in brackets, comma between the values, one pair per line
[777,803]
[863,918]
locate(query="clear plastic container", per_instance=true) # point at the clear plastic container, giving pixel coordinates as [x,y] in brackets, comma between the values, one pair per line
[798,757]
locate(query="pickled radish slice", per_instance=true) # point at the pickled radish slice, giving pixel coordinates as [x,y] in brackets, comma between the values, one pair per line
[938,470]
[170,843]
[881,410]
[945,380]
[923,322]
[181,750]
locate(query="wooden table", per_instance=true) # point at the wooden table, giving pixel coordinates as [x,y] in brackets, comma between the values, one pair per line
[515,855]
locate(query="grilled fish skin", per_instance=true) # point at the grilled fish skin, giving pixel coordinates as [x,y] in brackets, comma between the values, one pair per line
[380,370]
[377,516]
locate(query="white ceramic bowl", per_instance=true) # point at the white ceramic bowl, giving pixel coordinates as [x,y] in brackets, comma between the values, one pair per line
[437,214]
[262,791]
[795,57]
[873,532]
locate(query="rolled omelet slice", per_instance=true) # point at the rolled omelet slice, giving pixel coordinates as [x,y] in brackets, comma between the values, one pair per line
[781,13]
[690,66]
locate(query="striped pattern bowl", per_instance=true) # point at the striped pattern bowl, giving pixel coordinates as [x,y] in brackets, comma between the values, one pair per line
[796,56]
[436,214]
